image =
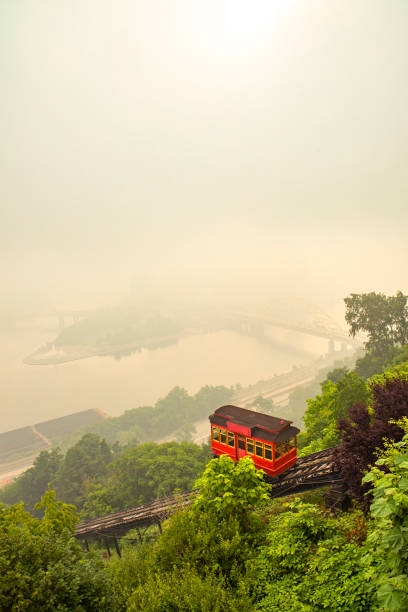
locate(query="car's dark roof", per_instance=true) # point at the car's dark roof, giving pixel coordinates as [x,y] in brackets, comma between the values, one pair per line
[250,418]
[282,436]
[262,426]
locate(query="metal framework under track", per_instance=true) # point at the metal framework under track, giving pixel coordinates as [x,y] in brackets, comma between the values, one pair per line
[310,472]
[119,523]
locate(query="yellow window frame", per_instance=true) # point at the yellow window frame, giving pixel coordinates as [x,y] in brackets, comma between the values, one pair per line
[230,436]
[223,432]
[259,445]
[269,448]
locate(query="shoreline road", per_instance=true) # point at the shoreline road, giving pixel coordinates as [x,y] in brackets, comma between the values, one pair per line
[9,471]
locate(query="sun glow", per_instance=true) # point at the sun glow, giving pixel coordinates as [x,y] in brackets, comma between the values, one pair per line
[235,28]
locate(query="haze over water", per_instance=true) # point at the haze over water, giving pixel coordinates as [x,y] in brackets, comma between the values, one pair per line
[36,393]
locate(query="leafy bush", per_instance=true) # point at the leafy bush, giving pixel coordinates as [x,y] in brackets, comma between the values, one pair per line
[312,561]
[131,570]
[220,528]
[387,545]
[228,489]
[205,544]
[187,591]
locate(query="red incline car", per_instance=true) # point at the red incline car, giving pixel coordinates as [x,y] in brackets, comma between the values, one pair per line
[268,440]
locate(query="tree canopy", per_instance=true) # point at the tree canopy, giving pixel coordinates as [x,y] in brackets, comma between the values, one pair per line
[383,318]
[83,464]
[384,321]
[143,473]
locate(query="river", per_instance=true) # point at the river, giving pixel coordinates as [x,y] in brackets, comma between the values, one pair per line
[30,394]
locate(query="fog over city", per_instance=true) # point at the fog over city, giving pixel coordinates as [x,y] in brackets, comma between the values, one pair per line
[192,155]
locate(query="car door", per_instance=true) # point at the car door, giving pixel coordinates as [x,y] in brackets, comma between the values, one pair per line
[240,446]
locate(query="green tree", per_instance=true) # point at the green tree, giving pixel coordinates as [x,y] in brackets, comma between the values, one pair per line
[209,397]
[324,410]
[84,464]
[384,321]
[98,502]
[263,404]
[146,472]
[336,374]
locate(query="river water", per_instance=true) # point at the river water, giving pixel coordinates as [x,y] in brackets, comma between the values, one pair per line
[30,394]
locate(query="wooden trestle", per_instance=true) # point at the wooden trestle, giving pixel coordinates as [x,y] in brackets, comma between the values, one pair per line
[310,472]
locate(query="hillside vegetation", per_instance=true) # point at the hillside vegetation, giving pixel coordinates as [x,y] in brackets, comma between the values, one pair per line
[232,548]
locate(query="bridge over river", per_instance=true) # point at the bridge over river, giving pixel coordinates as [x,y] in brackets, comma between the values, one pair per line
[293,315]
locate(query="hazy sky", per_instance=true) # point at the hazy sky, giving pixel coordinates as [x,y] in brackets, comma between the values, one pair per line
[224,147]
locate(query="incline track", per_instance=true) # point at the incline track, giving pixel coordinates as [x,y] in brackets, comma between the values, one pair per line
[140,516]
[310,472]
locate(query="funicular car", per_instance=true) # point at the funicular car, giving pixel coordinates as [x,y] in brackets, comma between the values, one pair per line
[268,440]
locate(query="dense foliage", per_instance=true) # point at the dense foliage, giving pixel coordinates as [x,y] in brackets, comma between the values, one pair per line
[43,568]
[206,545]
[325,409]
[143,473]
[387,545]
[364,430]
[226,553]
[310,561]
[84,463]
